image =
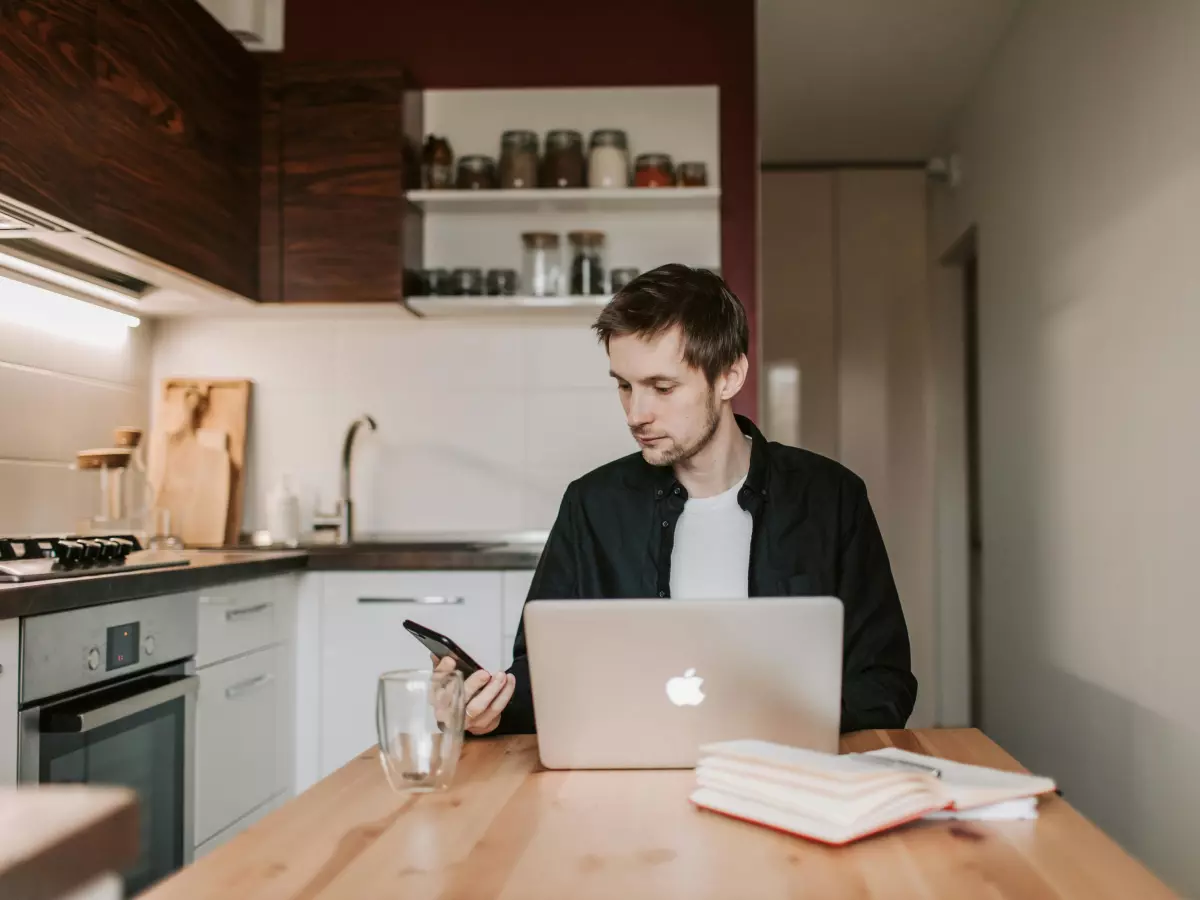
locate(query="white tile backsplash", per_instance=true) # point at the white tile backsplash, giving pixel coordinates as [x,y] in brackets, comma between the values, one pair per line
[481,426]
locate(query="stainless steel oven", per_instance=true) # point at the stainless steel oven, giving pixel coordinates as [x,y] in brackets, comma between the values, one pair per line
[108,696]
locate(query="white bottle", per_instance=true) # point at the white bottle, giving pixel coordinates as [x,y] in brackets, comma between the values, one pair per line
[283,515]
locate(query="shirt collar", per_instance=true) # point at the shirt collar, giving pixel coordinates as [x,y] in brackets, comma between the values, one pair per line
[661,479]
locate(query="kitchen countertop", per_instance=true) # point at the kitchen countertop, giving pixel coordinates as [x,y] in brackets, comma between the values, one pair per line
[55,839]
[510,829]
[209,568]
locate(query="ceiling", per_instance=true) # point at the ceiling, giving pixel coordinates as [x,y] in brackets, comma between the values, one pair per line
[862,80]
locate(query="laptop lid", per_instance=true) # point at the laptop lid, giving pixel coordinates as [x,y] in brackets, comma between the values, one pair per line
[646,683]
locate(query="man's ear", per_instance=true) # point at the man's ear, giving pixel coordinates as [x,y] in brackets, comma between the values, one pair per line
[735,377]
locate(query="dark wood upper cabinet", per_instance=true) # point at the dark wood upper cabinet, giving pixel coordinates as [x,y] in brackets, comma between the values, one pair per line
[343,152]
[176,137]
[47,118]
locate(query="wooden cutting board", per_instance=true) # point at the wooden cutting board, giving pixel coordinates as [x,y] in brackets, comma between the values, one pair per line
[197,456]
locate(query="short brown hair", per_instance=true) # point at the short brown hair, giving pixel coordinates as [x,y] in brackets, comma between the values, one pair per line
[712,318]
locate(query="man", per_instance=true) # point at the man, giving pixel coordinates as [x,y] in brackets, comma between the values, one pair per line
[708,508]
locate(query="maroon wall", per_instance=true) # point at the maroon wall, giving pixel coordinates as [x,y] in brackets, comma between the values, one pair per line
[537,43]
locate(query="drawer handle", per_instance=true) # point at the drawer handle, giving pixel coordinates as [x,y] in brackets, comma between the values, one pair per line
[242,688]
[233,614]
[436,600]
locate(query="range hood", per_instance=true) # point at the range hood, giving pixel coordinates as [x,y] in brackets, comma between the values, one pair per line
[40,250]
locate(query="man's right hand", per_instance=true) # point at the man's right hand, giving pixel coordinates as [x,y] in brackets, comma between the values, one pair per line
[486,694]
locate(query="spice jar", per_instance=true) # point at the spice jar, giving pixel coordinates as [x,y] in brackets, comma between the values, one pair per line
[608,159]
[654,170]
[437,164]
[467,282]
[563,165]
[692,174]
[476,173]
[618,278]
[518,159]
[541,269]
[587,262]
[501,282]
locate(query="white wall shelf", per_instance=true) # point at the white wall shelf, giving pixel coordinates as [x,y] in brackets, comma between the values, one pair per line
[463,307]
[567,200]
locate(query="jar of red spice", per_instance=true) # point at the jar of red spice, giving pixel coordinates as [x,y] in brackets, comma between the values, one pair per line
[654,170]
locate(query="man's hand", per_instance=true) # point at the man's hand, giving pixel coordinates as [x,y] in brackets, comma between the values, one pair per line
[485,693]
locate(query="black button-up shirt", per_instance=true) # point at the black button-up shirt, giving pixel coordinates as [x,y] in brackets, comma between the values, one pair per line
[814,535]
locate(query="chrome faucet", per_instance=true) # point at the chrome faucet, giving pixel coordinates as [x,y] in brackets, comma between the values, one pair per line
[343,515]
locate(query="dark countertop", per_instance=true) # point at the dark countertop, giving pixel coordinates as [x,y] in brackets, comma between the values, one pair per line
[215,567]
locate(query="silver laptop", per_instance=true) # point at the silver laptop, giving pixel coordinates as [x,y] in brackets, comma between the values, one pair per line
[631,684]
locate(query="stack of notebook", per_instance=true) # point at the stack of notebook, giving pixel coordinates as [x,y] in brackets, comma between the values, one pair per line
[837,799]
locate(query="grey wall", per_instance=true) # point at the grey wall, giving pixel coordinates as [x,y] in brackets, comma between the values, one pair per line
[1081,157]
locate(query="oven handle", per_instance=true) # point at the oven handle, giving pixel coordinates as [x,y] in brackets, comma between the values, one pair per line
[80,723]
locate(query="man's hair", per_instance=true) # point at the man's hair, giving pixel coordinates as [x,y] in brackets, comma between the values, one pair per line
[711,317]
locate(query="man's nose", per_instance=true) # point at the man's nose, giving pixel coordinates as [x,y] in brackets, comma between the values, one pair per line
[638,413]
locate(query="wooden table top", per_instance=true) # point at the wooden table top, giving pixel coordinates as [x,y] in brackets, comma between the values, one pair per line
[509,829]
[55,838]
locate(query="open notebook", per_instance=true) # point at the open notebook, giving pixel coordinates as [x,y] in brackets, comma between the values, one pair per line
[837,799]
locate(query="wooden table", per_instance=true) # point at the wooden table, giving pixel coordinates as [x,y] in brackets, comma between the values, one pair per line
[509,829]
[54,839]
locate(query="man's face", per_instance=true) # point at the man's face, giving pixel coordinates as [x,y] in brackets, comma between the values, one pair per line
[670,407]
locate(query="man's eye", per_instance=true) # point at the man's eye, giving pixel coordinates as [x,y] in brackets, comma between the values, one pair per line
[665,390]
[622,388]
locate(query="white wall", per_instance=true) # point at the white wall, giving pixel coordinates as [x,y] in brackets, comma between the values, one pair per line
[58,396]
[1081,154]
[481,424]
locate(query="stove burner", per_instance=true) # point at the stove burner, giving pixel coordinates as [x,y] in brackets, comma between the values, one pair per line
[34,559]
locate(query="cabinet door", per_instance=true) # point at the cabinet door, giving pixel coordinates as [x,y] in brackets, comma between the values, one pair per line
[341,182]
[362,636]
[177,138]
[47,106]
[239,720]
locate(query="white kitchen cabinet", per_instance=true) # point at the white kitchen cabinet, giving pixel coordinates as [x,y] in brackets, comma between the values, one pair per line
[233,830]
[516,589]
[10,665]
[362,635]
[245,709]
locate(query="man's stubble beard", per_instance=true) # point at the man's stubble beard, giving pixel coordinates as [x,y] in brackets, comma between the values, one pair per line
[683,454]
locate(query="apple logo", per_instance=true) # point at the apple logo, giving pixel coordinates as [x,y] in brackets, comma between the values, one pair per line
[684,690]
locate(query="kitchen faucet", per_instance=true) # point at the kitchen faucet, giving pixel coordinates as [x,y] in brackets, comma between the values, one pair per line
[343,515]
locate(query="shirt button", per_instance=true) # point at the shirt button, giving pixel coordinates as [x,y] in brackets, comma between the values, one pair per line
[764,492]
[666,524]
[658,492]
[676,490]
[662,593]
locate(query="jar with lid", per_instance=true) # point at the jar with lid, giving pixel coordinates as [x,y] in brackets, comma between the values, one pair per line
[563,164]
[587,262]
[654,170]
[437,164]
[437,282]
[501,282]
[692,174]
[467,282]
[608,159]
[518,160]
[476,173]
[541,269]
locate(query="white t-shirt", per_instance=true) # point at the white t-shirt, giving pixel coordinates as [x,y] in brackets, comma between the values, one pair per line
[710,559]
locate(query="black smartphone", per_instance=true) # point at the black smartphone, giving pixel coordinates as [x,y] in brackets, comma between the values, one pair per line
[440,645]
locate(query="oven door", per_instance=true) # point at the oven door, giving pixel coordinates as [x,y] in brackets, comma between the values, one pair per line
[140,734]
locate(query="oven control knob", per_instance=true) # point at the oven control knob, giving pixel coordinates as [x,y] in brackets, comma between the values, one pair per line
[93,658]
[148,645]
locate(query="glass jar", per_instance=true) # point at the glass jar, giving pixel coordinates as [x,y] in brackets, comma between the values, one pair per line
[476,173]
[437,164]
[654,170]
[501,282]
[608,159]
[587,262]
[518,160]
[563,165]
[467,282]
[618,278]
[542,263]
[692,174]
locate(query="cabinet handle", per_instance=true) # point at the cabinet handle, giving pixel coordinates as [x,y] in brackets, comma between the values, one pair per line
[233,614]
[245,687]
[436,600]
